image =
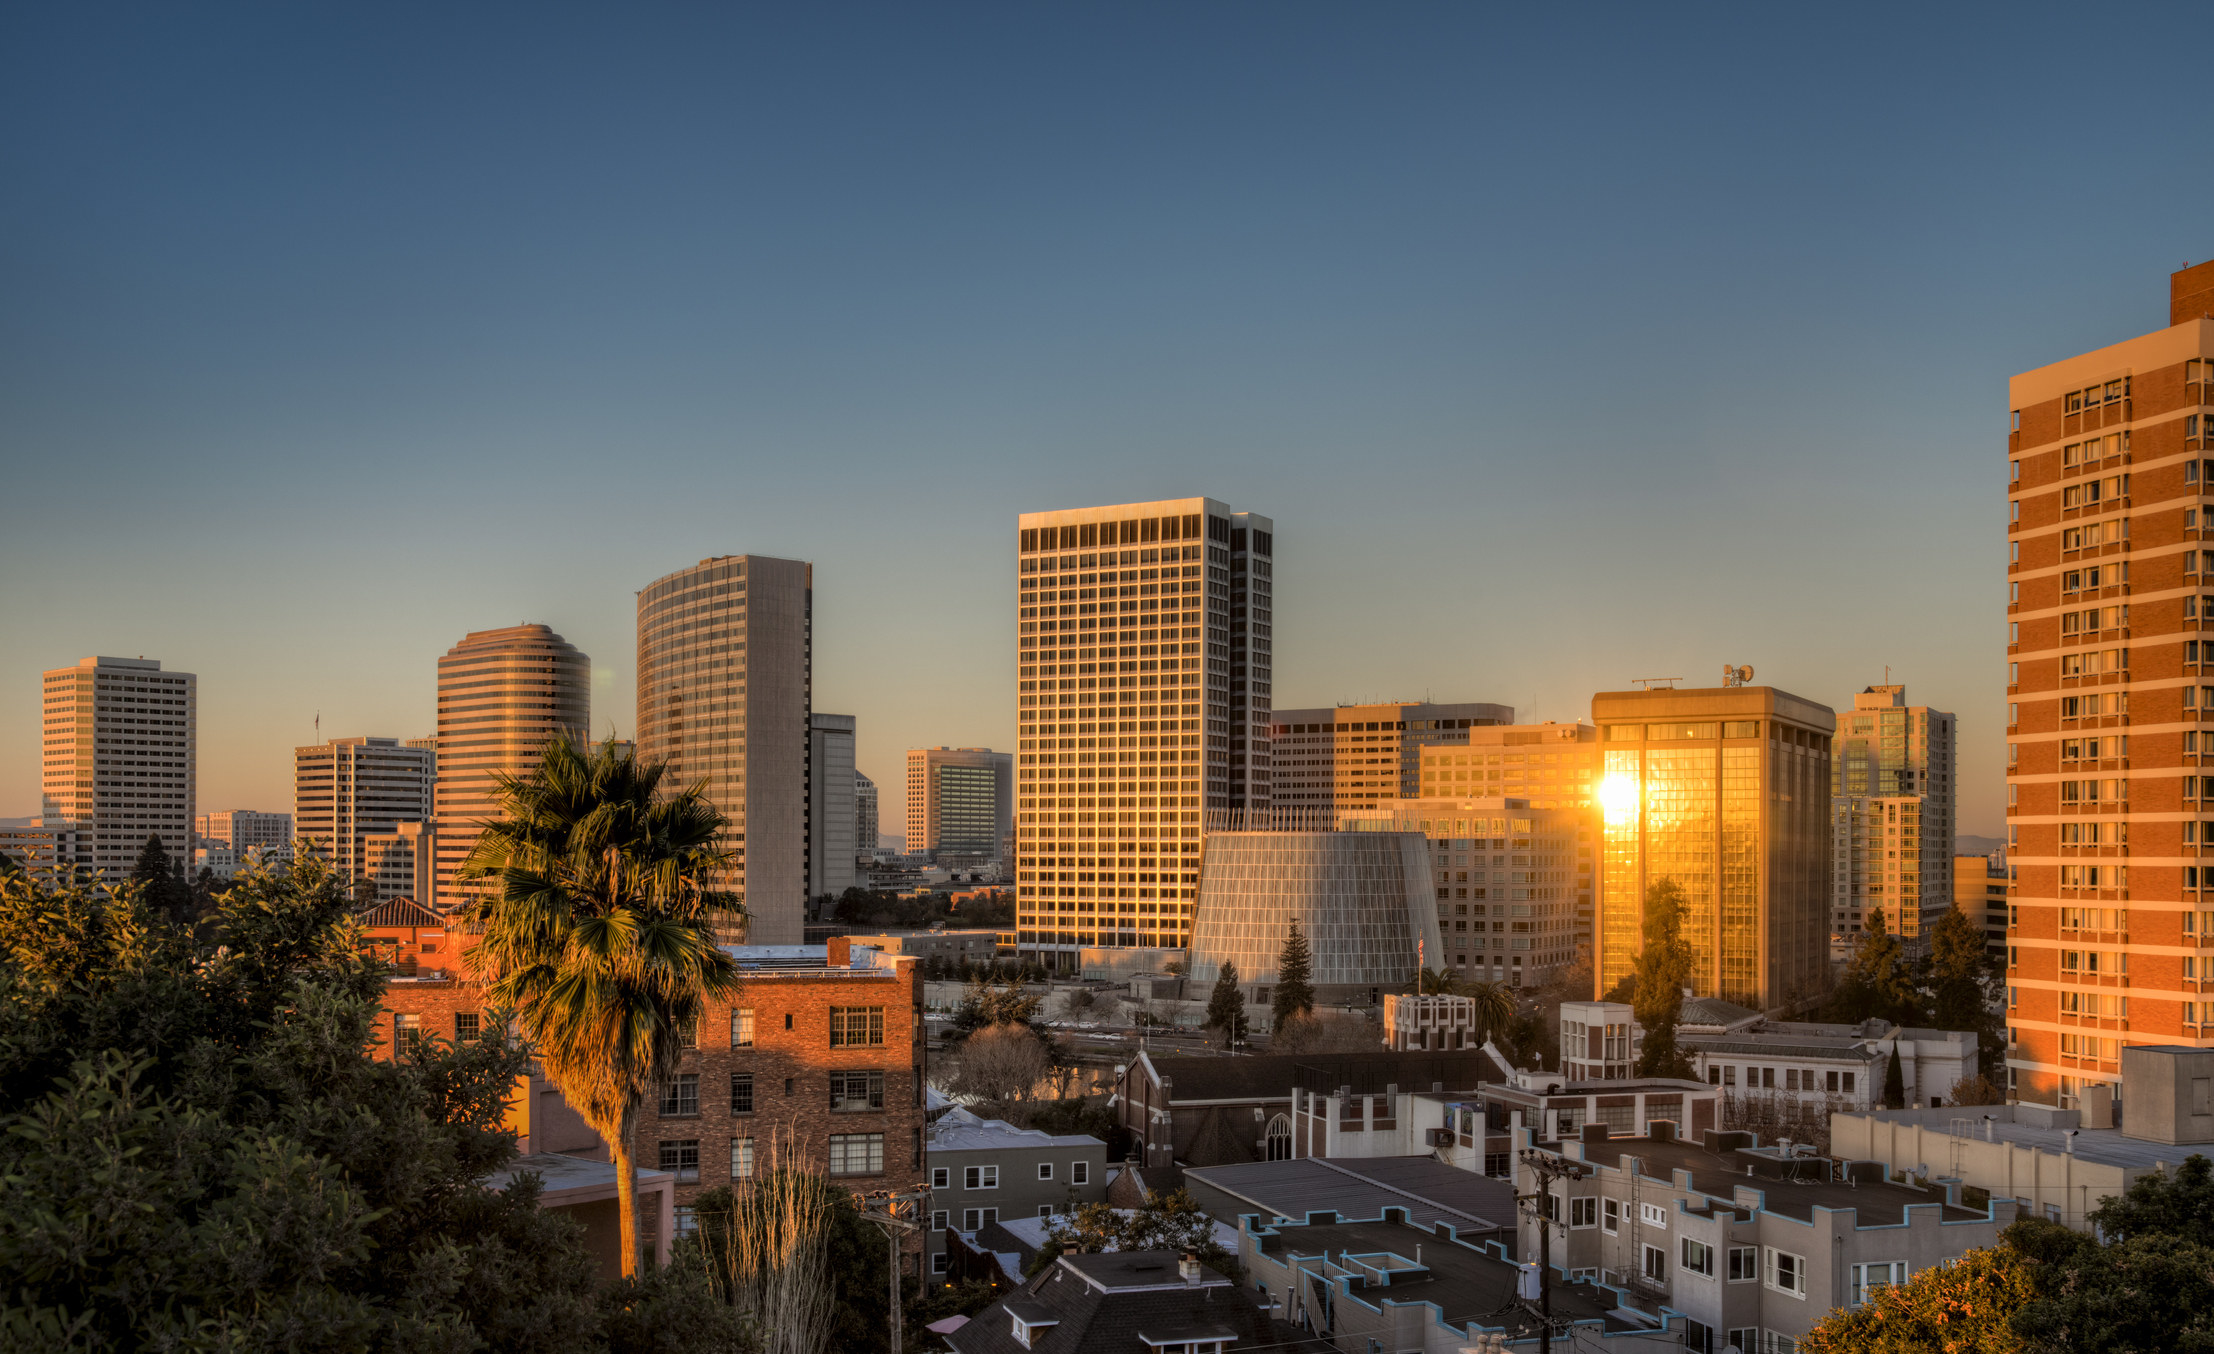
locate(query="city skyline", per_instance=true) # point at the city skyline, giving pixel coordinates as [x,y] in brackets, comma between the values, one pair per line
[1335,252]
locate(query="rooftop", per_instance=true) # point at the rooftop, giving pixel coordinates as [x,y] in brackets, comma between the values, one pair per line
[1721,1174]
[1111,1303]
[2045,1130]
[1363,1187]
[562,1173]
[960,1130]
[1271,1076]
[1465,1282]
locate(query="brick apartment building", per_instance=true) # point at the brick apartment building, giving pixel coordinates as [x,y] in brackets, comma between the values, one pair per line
[817,1061]
[2110,687]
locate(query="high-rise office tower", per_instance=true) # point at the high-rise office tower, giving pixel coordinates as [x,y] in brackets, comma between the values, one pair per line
[865,829]
[346,790]
[2110,690]
[502,696]
[725,674]
[1143,668]
[243,830]
[1725,792]
[830,814]
[960,804]
[401,860]
[1354,756]
[1891,819]
[119,742]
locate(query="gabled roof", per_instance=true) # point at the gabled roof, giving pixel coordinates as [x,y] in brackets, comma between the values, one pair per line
[1103,1304]
[400,912]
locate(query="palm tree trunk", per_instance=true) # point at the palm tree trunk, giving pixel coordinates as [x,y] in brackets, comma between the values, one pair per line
[626,1194]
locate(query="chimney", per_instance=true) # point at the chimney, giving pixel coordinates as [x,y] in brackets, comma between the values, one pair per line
[1189,1268]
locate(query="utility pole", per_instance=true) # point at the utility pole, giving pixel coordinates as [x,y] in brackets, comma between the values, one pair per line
[884,1207]
[1548,1167]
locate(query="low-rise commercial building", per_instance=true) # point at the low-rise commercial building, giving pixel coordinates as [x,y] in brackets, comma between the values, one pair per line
[2054,1163]
[984,1171]
[586,1191]
[1751,1244]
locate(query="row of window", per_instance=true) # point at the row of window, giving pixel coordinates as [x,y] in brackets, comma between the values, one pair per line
[987,1176]
[850,1092]
[850,1154]
[1784,1272]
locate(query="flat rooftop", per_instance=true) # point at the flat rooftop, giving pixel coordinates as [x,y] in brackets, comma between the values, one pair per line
[1721,1174]
[1363,1187]
[1466,1284]
[2106,1146]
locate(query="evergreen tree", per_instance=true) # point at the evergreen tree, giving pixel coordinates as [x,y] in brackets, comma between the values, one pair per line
[1964,980]
[153,864]
[1879,980]
[1663,967]
[1226,1007]
[1894,1083]
[1294,994]
[162,884]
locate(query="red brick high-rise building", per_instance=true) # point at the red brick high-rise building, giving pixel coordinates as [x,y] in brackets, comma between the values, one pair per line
[2109,807]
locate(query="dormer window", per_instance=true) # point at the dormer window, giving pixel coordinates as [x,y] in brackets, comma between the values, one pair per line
[1027,1330]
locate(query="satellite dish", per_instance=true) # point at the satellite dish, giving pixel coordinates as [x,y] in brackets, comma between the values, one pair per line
[1745,674]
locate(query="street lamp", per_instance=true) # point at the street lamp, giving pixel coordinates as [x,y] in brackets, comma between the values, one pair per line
[1548,1167]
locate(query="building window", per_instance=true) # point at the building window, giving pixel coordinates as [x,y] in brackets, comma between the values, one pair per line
[741,1158]
[680,1095]
[1744,1264]
[1746,1338]
[689,1036]
[939,1261]
[941,1177]
[407,1035]
[1653,1215]
[851,1091]
[1868,1278]
[856,1154]
[1045,1170]
[938,1220]
[1584,1211]
[1080,1172]
[1045,1210]
[683,1157]
[856,1026]
[687,1220]
[1610,1215]
[973,1218]
[1656,1264]
[741,1093]
[1698,1257]
[741,1028]
[980,1177]
[1498,1165]
[1787,1273]
[468,1027]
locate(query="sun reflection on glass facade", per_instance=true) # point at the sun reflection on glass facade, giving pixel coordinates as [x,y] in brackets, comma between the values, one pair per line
[1725,792]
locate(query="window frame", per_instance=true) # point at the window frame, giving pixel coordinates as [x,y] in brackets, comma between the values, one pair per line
[677,1091]
[870,1098]
[1610,1216]
[840,1154]
[742,1160]
[741,1082]
[671,1154]
[1773,1268]
[1743,1264]
[1080,1172]
[1697,1257]
[870,1033]
[1583,1211]
[1045,1170]
[741,1027]
[980,1177]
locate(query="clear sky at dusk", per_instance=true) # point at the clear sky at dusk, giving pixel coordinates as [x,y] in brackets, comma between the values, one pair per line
[1565,348]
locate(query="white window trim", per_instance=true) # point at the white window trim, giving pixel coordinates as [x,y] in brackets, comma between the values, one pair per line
[1045,1170]
[1768,1271]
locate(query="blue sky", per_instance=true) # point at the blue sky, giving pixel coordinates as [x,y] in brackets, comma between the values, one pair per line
[1564,348]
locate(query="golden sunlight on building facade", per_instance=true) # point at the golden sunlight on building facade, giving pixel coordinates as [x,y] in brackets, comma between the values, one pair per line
[120,754]
[2109,685]
[1725,791]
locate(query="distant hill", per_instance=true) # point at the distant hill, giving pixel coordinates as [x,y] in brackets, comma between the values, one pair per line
[1976,846]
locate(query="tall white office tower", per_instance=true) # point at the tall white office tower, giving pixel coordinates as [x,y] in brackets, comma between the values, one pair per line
[1143,675]
[830,814]
[346,790]
[725,676]
[119,739]
[502,696]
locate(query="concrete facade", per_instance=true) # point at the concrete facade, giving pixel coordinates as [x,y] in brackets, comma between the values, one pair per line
[1324,761]
[119,740]
[1892,788]
[1144,673]
[502,696]
[348,791]
[2109,688]
[725,690]
[832,846]
[987,1170]
[960,805]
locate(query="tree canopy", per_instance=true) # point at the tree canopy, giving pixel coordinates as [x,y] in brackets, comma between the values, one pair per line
[197,1152]
[1226,1006]
[1168,1221]
[1294,994]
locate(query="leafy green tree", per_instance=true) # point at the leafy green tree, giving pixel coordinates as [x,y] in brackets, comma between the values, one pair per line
[196,1151]
[2146,1293]
[1294,994]
[1663,967]
[1879,981]
[1168,1221]
[601,933]
[2176,1205]
[1226,1006]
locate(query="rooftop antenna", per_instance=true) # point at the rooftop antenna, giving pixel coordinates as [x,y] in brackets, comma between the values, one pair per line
[1737,676]
[1655,683]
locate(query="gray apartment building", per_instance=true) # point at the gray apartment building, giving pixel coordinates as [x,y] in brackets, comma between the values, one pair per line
[987,1170]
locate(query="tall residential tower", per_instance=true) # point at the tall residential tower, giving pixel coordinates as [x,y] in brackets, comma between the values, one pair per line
[502,696]
[2110,818]
[1143,671]
[119,740]
[725,684]
[1891,819]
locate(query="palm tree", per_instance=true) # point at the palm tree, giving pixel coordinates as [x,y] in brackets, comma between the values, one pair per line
[600,937]
[1494,1005]
[1435,982]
